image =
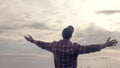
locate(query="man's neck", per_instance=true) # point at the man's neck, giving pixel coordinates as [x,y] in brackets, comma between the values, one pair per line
[66,39]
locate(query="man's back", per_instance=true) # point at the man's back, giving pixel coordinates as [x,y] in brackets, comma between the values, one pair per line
[65,54]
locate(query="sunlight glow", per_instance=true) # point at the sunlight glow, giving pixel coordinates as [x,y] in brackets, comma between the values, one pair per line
[88,10]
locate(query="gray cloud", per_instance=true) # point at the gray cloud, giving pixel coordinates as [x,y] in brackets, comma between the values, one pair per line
[16,14]
[40,25]
[95,35]
[25,60]
[4,29]
[108,12]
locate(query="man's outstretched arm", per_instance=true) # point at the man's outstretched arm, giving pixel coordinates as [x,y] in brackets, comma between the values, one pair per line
[96,47]
[43,45]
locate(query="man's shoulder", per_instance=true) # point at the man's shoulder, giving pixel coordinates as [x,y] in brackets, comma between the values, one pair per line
[76,44]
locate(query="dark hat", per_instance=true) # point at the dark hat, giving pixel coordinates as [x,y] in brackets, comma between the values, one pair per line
[67,32]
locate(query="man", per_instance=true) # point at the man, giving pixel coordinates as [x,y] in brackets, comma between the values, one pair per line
[65,52]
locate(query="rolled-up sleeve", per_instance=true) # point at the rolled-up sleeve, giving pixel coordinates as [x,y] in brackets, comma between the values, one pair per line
[83,49]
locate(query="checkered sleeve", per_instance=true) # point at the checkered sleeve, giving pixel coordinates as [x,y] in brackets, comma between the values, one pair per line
[83,49]
[44,45]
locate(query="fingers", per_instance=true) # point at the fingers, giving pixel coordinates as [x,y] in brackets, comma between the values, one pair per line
[114,41]
[30,36]
[108,39]
[27,38]
[110,43]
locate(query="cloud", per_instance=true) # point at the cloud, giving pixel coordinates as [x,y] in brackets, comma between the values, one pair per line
[39,25]
[108,12]
[38,18]
[25,60]
[6,28]
[44,20]
[23,17]
[95,35]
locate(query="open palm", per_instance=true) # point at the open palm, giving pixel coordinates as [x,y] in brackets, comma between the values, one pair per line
[28,38]
[111,42]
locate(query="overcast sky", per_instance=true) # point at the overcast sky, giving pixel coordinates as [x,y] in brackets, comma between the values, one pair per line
[94,21]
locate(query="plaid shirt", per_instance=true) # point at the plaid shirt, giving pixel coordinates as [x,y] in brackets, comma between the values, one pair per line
[66,53]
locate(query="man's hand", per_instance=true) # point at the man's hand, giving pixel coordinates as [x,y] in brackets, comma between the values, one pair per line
[110,43]
[29,38]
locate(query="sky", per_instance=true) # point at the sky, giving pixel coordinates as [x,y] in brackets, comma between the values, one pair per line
[93,20]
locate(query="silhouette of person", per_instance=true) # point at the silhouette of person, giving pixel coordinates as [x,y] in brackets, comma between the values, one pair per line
[65,52]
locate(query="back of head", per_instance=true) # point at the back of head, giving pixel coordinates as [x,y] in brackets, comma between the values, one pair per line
[67,32]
